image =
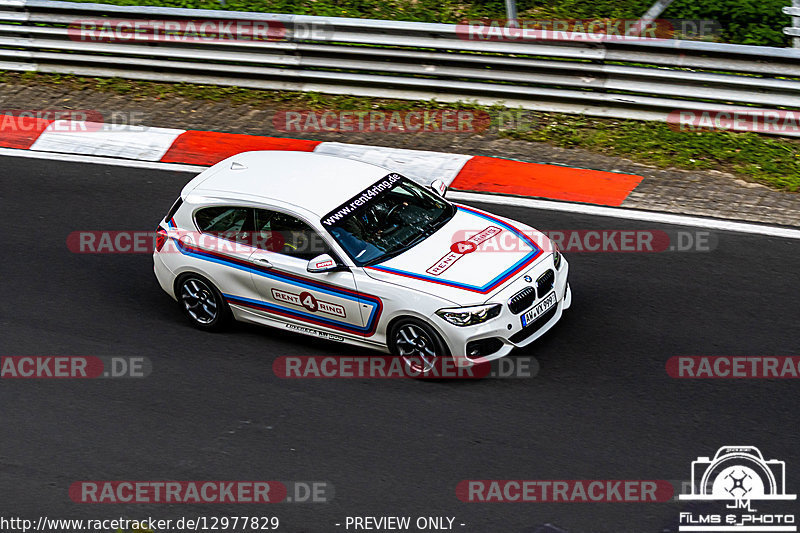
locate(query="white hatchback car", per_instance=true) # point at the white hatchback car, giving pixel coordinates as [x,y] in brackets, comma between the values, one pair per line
[351,252]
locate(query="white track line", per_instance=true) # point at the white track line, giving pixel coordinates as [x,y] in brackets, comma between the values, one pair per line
[516,201]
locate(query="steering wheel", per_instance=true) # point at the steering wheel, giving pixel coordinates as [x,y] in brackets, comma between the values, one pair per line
[298,240]
[393,211]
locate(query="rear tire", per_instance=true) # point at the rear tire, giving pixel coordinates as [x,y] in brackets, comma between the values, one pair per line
[202,303]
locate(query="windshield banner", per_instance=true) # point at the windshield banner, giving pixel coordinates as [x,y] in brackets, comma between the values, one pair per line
[361,199]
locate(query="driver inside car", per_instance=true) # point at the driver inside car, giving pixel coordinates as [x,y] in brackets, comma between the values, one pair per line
[277,232]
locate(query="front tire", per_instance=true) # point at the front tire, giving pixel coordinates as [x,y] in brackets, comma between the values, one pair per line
[420,346]
[202,303]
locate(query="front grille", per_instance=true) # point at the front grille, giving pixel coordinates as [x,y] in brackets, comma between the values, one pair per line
[544,283]
[522,300]
[534,326]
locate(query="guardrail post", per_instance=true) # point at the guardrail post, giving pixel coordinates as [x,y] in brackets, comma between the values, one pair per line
[511,9]
[796,24]
[653,13]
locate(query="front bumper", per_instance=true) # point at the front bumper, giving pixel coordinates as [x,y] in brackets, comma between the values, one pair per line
[499,336]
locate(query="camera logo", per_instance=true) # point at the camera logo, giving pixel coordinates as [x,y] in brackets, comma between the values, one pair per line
[736,476]
[738,473]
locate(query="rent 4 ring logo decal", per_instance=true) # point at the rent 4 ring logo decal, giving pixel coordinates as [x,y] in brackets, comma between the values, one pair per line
[307,300]
[458,249]
[737,476]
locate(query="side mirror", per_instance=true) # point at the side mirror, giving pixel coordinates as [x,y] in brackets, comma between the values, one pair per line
[322,263]
[439,187]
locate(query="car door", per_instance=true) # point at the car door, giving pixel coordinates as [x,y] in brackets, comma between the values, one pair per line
[324,304]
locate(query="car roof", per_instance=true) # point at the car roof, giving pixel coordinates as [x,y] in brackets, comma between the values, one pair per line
[319,183]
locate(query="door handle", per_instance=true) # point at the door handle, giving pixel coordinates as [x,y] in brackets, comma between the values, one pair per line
[262,261]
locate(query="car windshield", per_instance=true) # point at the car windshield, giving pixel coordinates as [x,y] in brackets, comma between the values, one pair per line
[387,219]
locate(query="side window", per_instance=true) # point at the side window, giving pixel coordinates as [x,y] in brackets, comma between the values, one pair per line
[285,234]
[225,222]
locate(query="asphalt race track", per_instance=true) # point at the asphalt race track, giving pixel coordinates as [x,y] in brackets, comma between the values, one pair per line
[602,406]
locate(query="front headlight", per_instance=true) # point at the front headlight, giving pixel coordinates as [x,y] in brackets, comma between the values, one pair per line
[469,316]
[556,256]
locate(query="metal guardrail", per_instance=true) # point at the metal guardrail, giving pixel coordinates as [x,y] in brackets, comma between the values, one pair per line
[621,77]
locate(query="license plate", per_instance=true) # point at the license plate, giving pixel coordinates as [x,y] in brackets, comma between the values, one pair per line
[537,310]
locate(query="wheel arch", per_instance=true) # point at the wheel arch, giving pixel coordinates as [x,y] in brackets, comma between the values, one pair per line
[185,274]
